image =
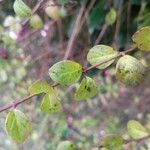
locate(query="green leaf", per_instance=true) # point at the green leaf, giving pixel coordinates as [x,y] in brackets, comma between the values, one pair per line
[66,145]
[101,53]
[51,104]
[65,72]
[111,17]
[130,71]
[41,87]
[21,9]
[17,126]
[142,38]
[87,89]
[136,130]
[36,22]
[113,142]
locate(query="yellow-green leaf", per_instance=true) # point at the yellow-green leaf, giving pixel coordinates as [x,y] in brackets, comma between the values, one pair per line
[65,72]
[21,9]
[87,89]
[142,38]
[113,142]
[41,87]
[36,22]
[66,145]
[111,17]
[136,130]
[129,70]
[99,54]
[51,104]
[18,126]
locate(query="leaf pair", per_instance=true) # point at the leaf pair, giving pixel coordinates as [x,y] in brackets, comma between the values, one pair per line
[116,142]
[50,102]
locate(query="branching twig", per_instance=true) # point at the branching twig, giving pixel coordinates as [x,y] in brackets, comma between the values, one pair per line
[17,102]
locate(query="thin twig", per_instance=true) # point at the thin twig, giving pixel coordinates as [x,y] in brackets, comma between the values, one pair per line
[78,25]
[17,102]
[99,38]
[74,33]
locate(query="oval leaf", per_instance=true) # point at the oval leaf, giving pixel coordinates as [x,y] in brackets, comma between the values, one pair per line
[17,126]
[21,9]
[113,142]
[36,22]
[111,17]
[51,104]
[130,71]
[101,53]
[87,89]
[66,145]
[65,72]
[41,87]
[136,130]
[142,38]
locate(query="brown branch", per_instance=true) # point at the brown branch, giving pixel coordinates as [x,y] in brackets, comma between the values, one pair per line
[78,25]
[99,38]
[17,102]
[75,32]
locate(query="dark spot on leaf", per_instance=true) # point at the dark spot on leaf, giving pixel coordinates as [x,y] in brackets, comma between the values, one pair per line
[89,89]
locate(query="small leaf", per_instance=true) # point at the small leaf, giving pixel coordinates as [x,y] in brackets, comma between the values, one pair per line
[136,130]
[41,87]
[21,9]
[17,126]
[87,89]
[142,38]
[130,71]
[111,17]
[113,142]
[36,22]
[65,72]
[100,53]
[66,145]
[50,104]
[52,10]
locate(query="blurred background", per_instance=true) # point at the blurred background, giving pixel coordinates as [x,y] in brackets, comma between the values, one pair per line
[26,54]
